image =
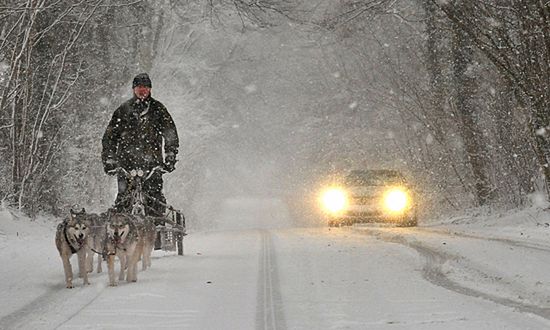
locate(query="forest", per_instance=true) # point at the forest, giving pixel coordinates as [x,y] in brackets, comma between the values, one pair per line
[272,96]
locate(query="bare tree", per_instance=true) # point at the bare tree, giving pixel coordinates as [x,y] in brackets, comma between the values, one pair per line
[62,58]
[35,89]
[465,84]
[515,36]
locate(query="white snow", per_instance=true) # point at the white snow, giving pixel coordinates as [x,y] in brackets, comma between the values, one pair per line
[249,89]
[4,67]
[257,271]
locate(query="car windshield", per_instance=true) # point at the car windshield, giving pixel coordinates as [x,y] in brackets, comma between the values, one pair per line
[373,178]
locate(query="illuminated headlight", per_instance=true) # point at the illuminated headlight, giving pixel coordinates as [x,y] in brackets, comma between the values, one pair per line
[396,200]
[334,200]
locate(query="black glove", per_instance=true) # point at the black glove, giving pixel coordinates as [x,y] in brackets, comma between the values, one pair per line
[110,166]
[170,162]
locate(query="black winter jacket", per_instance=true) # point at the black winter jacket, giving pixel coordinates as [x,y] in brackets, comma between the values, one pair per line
[135,134]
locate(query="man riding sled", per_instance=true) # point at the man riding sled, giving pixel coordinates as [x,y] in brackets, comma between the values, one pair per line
[134,139]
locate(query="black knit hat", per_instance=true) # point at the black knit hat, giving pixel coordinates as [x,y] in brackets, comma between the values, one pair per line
[141,79]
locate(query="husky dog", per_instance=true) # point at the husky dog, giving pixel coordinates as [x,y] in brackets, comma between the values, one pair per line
[73,236]
[122,240]
[97,233]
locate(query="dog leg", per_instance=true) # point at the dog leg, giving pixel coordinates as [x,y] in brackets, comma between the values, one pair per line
[146,256]
[133,256]
[82,265]
[148,250]
[134,272]
[68,270]
[151,246]
[123,265]
[140,251]
[98,245]
[143,259]
[134,253]
[111,269]
[99,260]
[89,259]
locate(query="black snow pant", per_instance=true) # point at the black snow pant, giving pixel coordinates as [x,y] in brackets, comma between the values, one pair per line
[154,200]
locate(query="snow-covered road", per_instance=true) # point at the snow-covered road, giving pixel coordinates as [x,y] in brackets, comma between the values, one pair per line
[361,277]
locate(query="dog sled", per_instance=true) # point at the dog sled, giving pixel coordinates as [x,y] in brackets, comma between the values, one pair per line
[170,227]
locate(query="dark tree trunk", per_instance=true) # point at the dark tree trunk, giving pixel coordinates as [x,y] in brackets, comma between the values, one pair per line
[515,37]
[466,87]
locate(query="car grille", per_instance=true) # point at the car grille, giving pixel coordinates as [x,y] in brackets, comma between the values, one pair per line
[363,200]
[373,213]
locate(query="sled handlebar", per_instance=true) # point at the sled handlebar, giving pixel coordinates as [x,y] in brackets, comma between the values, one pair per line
[138,172]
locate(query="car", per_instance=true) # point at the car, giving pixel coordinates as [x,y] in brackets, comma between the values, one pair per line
[370,196]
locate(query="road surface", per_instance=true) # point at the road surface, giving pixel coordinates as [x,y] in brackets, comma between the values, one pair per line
[296,278]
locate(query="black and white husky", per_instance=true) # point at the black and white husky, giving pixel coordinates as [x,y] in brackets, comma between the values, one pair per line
[73,236]
[97,233]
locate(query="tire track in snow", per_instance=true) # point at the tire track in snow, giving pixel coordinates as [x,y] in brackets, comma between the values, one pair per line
[81,308]
[508,241]
[66,303]
[269,314]
[433,273]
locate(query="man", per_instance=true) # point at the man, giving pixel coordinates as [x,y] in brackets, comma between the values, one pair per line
[134,139]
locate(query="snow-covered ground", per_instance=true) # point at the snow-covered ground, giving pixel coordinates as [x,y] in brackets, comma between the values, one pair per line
[486,272]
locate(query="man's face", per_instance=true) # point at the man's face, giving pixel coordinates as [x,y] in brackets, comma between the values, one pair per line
[142,92]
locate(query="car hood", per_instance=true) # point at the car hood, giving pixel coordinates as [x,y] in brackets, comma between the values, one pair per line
[366,190]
